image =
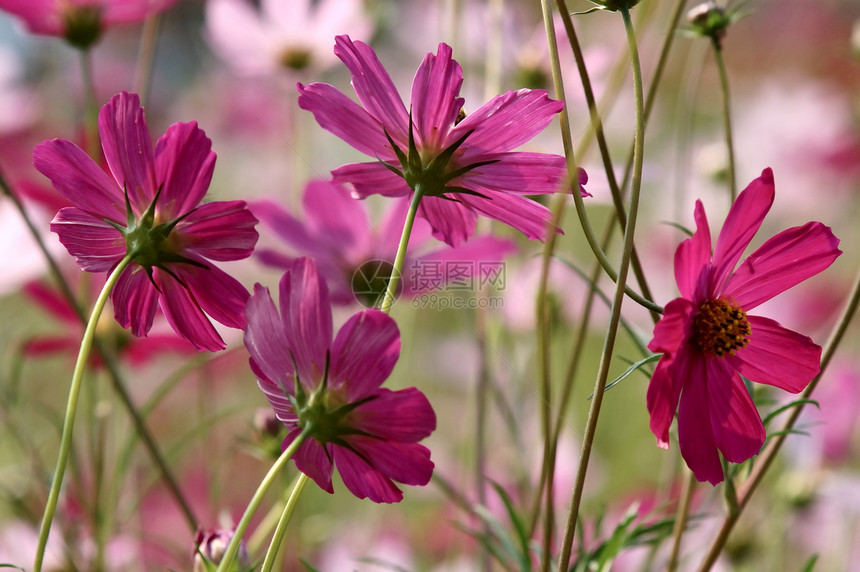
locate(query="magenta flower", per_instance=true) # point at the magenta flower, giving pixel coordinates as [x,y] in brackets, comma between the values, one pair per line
[464,166]
[709,340]
[337,233]
[80,22]
[150,209]
[333,388]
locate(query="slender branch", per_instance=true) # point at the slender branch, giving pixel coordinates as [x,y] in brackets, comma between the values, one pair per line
[400,257]
[727,116]
[281,529]
[681,517]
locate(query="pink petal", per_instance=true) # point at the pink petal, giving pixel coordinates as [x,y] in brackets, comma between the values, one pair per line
[338,114]
[218,294]
[51,301]
[405,416]
[785,260]
[184,162]
[777,356]
[266,341]
[285,226]
[133,10]
[519,173]
[128,148]
[451,221]
[695,431]
[737,426]
[674,327]
[363,480]
[96,245]
[222,230]
[184,314]
[373,86]
[407,463]
[370,179]
[336,218]
[693,257]
[435,101]
[40,16]
[77,177]
[528,216]
[277,399]
[664,390]
[135,300]
[742,222]
[306,314]
[312,460]
[505,122]
[364,353]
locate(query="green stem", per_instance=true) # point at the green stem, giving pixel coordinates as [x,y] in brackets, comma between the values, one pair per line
[146,56]
[257,499]
[281,529]
[681,517]
[727,116]
[91,107]
[767,457]
[394,281]
[615,314]
[71,409]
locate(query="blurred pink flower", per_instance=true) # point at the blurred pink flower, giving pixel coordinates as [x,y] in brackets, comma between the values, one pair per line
[708,339]
[151,209]
[281,34]
[337,233]
[333,387]
[464,165]
[80,22]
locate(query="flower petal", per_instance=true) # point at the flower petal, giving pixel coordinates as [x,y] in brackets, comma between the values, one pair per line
[664,390]
[218,294]
[285,226]
[777,356]
[435,101]
[306,314]
[363,480]
[135,300]
[77,177]
[785,260]
[695,431]
[96,245]
[184,314]
[312,460]
[528,216]
[451,221]
[184,162]
[370,179]
[693,257]
[405,416]
[736,424]
[222,230]
[373,86]
[743,221]
[336,218]
[518,173]
[277,398]
[505,122]
[407,463]
[128,148]
[364,353]
[267,342]
[674,327]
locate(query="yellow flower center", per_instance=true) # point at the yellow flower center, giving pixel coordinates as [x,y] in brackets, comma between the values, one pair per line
[720,328]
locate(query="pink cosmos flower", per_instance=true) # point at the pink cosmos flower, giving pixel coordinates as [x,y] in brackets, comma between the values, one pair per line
[151,208]
[464,165]
[709,340]
[370,433]
[80,22]
[337,233]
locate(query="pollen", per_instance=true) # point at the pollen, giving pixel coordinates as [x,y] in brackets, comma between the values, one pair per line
[721,327]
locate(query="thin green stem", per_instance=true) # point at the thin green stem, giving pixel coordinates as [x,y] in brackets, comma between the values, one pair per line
[727,116]
[71,410]
[281,529]
[681,517]
[146,56]
[91,113]
[257,499]
[766,458]
[394,281]
[615,314]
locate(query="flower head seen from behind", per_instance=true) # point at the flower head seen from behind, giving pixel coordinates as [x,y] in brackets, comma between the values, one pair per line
[80,22]
[332,387]
[150,209]
[709,340]
[464,166]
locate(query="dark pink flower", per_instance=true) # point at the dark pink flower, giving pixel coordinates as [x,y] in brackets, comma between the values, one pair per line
[80,22]
[337,233]
[709,340]
[333,387]
[151,208]
[465,165]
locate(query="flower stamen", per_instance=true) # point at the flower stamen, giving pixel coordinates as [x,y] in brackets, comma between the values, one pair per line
[721,327]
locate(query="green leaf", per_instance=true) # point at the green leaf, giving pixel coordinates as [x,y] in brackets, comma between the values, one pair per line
[633,367]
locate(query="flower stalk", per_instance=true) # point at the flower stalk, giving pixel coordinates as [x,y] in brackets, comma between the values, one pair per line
[281,529]
[391,289]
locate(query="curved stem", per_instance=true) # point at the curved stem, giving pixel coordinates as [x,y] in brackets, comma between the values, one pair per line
[615,314]
[91,107]
[71,410]
[767,457]
[281,529]
[265,484]
[727,116]
[394,281]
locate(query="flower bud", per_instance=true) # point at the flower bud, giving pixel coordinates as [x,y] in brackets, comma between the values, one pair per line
[615,5]
[209,549]
[709,20]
